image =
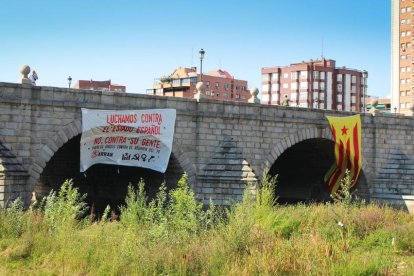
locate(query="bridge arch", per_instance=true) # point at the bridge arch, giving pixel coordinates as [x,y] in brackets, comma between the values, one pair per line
[70,134]
[301,160]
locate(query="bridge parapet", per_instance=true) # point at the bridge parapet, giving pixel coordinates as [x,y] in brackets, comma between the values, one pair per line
[35,121]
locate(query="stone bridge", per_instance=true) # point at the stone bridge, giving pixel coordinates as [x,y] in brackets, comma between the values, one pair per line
[220,145]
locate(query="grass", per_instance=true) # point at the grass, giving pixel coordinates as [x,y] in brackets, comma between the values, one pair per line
[173,235]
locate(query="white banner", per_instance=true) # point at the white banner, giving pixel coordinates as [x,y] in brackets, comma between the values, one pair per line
[139,138]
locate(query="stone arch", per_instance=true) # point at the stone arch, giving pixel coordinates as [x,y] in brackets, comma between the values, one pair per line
[296,141]
[73,129]
[302,135]
[289,141]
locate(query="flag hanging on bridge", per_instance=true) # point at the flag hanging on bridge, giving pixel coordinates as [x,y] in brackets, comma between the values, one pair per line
[346,132]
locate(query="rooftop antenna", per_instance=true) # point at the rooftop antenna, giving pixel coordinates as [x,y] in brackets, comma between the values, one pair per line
[192,54]
[322,49]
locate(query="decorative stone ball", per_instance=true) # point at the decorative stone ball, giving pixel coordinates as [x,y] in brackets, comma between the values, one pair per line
[374,103]
[200,86]
[25,70]
[254,92]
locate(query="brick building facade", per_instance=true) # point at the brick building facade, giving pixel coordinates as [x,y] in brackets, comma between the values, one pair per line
[99,85]
[219,85]
[315,84]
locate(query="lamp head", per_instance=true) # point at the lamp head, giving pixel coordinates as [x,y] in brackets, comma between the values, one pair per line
[201,52]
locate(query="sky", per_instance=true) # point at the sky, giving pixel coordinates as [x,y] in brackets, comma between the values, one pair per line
[133,42]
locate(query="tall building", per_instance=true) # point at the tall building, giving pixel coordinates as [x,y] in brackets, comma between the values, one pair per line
[99,85]
[219,85]
[402,85]
[315,84]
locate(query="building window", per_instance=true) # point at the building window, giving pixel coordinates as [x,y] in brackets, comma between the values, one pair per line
[218,94]
[322,85]
[275,77]
[286,75]
[207,83]
[226,86]
[294,86]
[225,95]
[303,96]
[193,80]
[403,10]
[322,75]
[403,93]
[286,85]
[353,89]
[353,79]
[339,77]
[353,99]
[217,85]
[304,75]
[403,69]
[339,87]
[315,85]
[402,21]
[293,96]
[294,75]
[322,97]
[402,81]
[265,77]
[275,87]
[237,96]
[402,34]
[316,75]
[303,85]
[265,88]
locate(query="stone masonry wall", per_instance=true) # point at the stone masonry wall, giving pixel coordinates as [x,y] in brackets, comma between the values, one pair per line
[232,142]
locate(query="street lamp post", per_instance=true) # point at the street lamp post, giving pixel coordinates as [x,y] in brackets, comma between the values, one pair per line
[69,80]
[201,52]
[395,110]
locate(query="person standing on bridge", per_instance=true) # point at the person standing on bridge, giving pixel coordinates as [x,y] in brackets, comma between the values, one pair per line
[33,77]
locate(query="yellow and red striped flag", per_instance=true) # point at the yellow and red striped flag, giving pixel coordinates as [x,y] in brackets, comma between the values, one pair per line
[346,132]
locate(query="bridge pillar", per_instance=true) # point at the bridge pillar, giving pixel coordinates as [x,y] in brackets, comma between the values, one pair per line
[13,178]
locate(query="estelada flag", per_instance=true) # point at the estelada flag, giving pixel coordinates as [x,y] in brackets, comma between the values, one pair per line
[346,132]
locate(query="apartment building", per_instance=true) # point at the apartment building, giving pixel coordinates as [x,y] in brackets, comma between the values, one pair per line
[402,28]
[219,85]
[315,84]
[99,85]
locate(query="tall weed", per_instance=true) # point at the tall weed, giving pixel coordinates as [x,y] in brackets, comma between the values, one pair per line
[64,208]
[135,212]
[12,219]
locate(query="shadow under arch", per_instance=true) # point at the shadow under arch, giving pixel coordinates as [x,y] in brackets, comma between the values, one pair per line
[59,160]
[104,184]
[301,167]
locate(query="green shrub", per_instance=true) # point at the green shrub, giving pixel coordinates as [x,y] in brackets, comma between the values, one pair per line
[64,208]
[12,219]
[404,238]
[135,212]
[184,212]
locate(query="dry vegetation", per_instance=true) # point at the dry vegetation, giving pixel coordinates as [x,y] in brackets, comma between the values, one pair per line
[174,235]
